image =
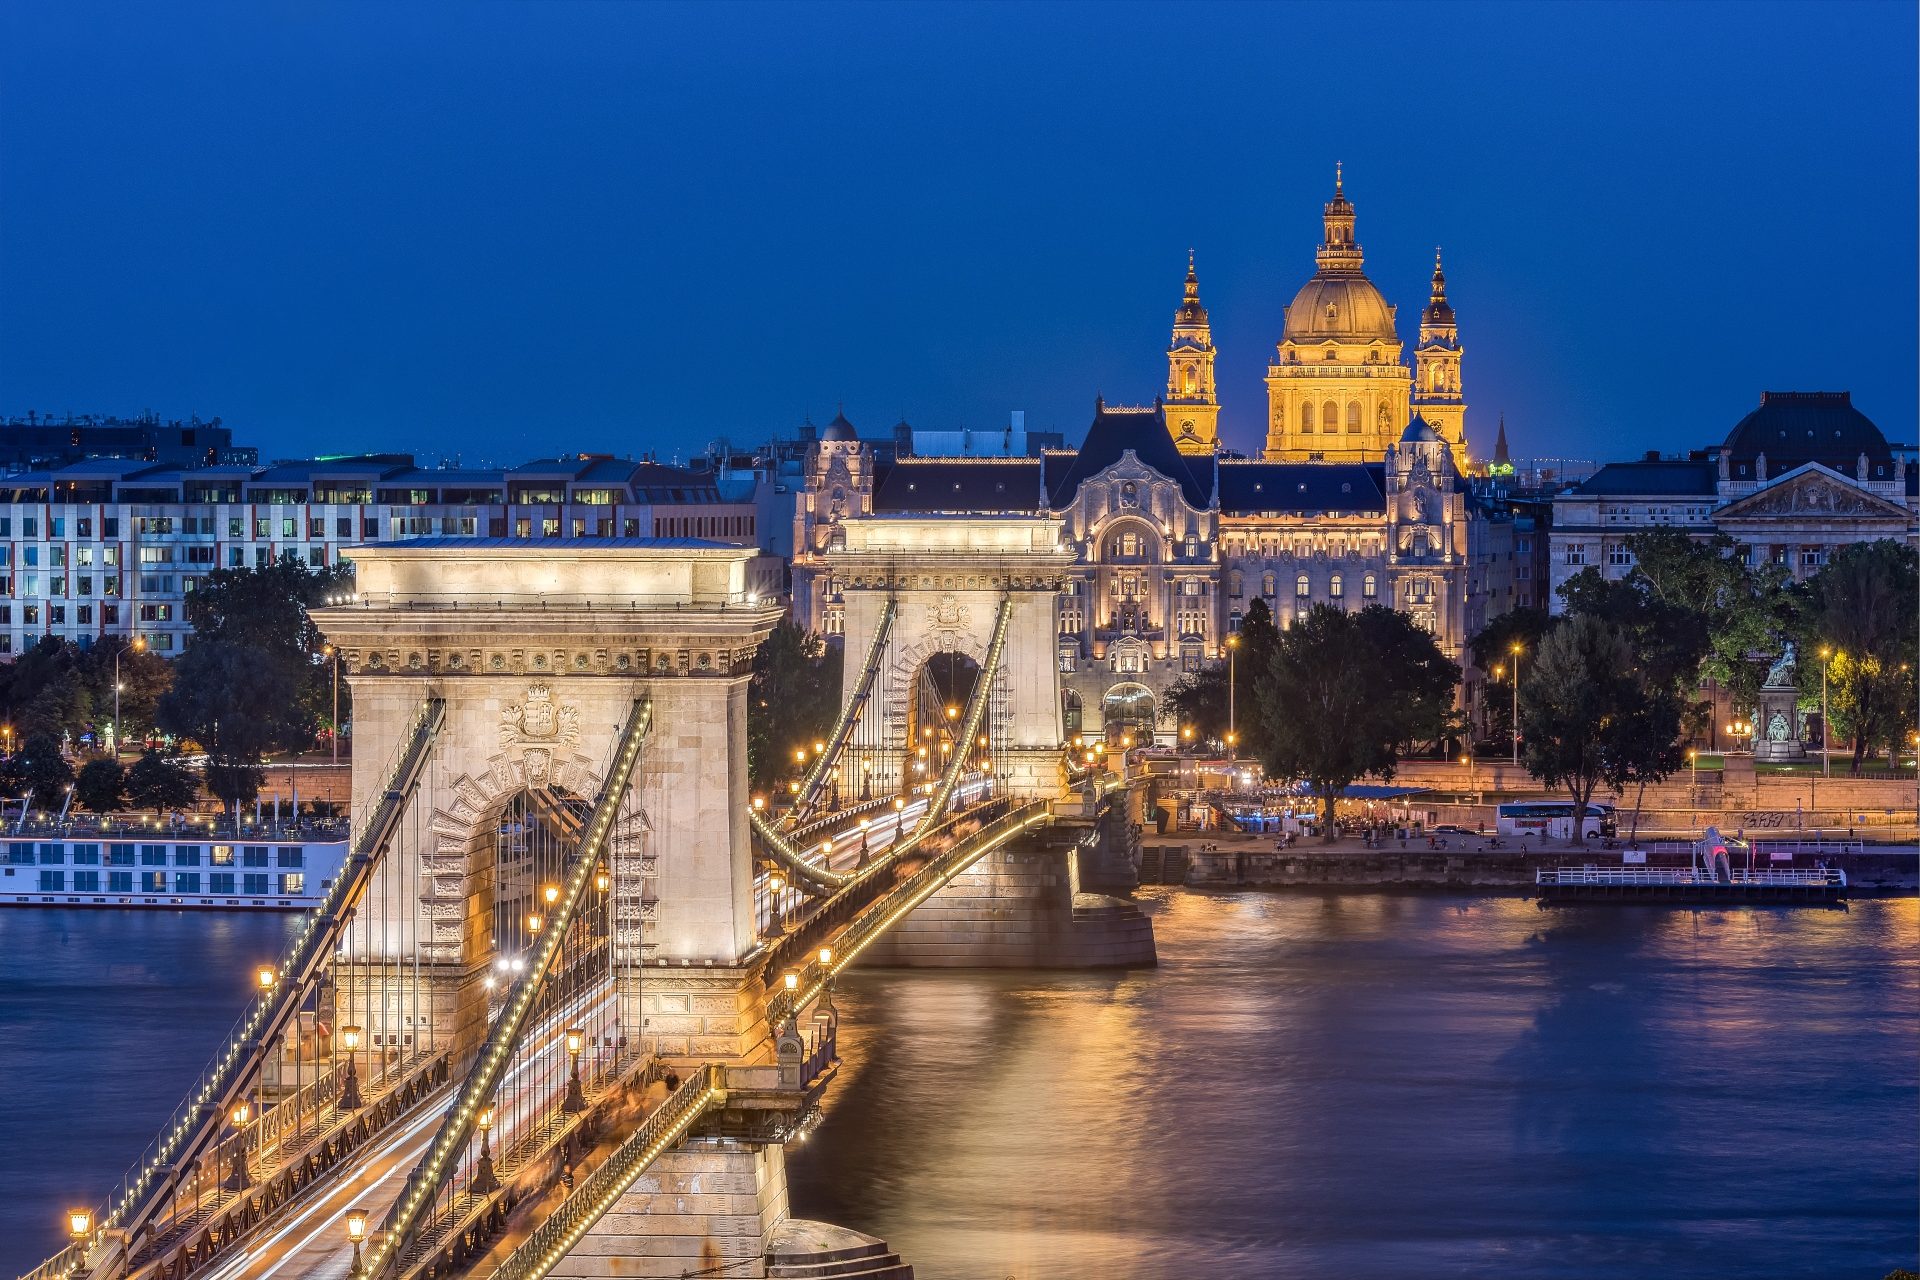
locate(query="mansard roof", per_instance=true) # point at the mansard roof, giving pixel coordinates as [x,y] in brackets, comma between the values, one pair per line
[1114,431]
[922,485]
[1250,487]
[1792,427]
[1655,477]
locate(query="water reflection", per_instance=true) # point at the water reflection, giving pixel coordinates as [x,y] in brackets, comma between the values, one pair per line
[1390,1085]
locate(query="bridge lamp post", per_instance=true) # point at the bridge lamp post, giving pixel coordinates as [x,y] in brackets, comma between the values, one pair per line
[237,1176]
[356,1232]
[576,1099]
[533,924]
[485,1180]
[601,880]
[776,883]
[350,1099]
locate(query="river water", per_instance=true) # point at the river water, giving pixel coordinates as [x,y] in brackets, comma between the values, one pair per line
[1356,1085]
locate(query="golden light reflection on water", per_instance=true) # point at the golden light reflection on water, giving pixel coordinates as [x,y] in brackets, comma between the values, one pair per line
[1379,1084]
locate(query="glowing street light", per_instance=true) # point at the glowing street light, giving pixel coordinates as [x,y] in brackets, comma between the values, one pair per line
[356,1232]
[79,1225]
[485,1180]
[533,923]
[551,893]
[350,1089]
[266,975]
[576,1099]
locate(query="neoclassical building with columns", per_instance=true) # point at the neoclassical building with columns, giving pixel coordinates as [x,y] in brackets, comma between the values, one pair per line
[1358,497]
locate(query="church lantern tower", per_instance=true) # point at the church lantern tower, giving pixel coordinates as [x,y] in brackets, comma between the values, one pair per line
[1337,389]
[1193,408]
[1437,395]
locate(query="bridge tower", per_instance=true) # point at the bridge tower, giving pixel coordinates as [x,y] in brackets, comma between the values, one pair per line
[540,655]
[946,577]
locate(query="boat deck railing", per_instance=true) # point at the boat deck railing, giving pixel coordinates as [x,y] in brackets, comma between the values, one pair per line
[1667,876]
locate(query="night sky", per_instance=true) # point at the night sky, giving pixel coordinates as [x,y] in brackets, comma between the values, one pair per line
[502,231]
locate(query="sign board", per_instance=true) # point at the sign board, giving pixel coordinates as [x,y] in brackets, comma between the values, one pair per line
[1633,855]
[1777,856]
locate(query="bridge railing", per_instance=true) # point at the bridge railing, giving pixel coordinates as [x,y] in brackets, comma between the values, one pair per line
[196,1123]
[569,1223]
[403,1222]
[867,920]
[850,716]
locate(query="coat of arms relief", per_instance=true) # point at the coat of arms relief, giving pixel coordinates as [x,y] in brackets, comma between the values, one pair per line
[539,726]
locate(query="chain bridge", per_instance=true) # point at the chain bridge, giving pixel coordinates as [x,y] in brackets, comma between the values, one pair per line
[572,992]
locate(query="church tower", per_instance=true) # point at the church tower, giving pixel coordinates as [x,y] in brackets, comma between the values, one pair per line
[1437,396]
[1193,408]
[1337,389]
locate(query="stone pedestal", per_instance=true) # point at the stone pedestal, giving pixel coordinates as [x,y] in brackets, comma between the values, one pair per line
[1016,908]
[709,1204]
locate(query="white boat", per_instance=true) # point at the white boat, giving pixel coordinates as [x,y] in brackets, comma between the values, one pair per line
[284,871]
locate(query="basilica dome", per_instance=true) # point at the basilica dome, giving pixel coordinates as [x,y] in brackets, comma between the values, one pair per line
[1342,307]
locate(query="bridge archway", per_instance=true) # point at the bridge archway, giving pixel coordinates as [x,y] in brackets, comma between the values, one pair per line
[947,578]
[541,660]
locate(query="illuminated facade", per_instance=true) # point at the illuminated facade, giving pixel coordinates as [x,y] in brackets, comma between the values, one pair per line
[1338,389]
[1171,549]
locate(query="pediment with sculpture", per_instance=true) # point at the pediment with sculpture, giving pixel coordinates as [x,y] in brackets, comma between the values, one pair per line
[1814,492]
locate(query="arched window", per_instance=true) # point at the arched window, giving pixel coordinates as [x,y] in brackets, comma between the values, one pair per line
[1301,587]
[1353,416]
[1266,585]
[1306,419]
[1369,586]
[1334,587]
[1234,583]
[1330,417]
[1189,379]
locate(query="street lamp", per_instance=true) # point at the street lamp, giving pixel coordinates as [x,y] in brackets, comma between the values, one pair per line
[266,975]
[1233,649]
[79,1225]
[350,1089]
[533,923]
[485,1180]
[1826,735]
[1516,701]
[551,893]
[576,1100]
[139,643]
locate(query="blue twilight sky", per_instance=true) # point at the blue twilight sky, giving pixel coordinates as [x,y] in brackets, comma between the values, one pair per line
[506,230]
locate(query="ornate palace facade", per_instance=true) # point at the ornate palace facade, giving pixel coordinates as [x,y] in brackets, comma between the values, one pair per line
[1357,499]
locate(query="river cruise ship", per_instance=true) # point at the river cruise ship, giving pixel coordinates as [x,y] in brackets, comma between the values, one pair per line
[285,870]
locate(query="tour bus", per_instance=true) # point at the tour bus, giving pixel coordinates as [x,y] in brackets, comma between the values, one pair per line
[1535,817]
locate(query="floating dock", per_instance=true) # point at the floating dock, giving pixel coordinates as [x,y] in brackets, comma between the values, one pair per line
[1686,884]
[1710,877]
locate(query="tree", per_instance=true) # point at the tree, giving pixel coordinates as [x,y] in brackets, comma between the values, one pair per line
[253,679]
[156,783]
[792,698]
[1742,609]
[1861,608]
[1493,652]
[1591,712]
[42,692]
[44,771]
[101,786]
[1197,701]
[144,677]
[1342,693]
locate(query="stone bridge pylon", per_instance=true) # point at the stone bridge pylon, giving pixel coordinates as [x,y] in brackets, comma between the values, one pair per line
[540,655]
[946,577]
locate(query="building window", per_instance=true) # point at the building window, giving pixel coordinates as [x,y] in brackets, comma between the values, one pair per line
[1369,587]
[1576,555]
[1334,587]
[1301,587]
[1618,556]
[1353,416]
[1306,419]
[1330,417]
